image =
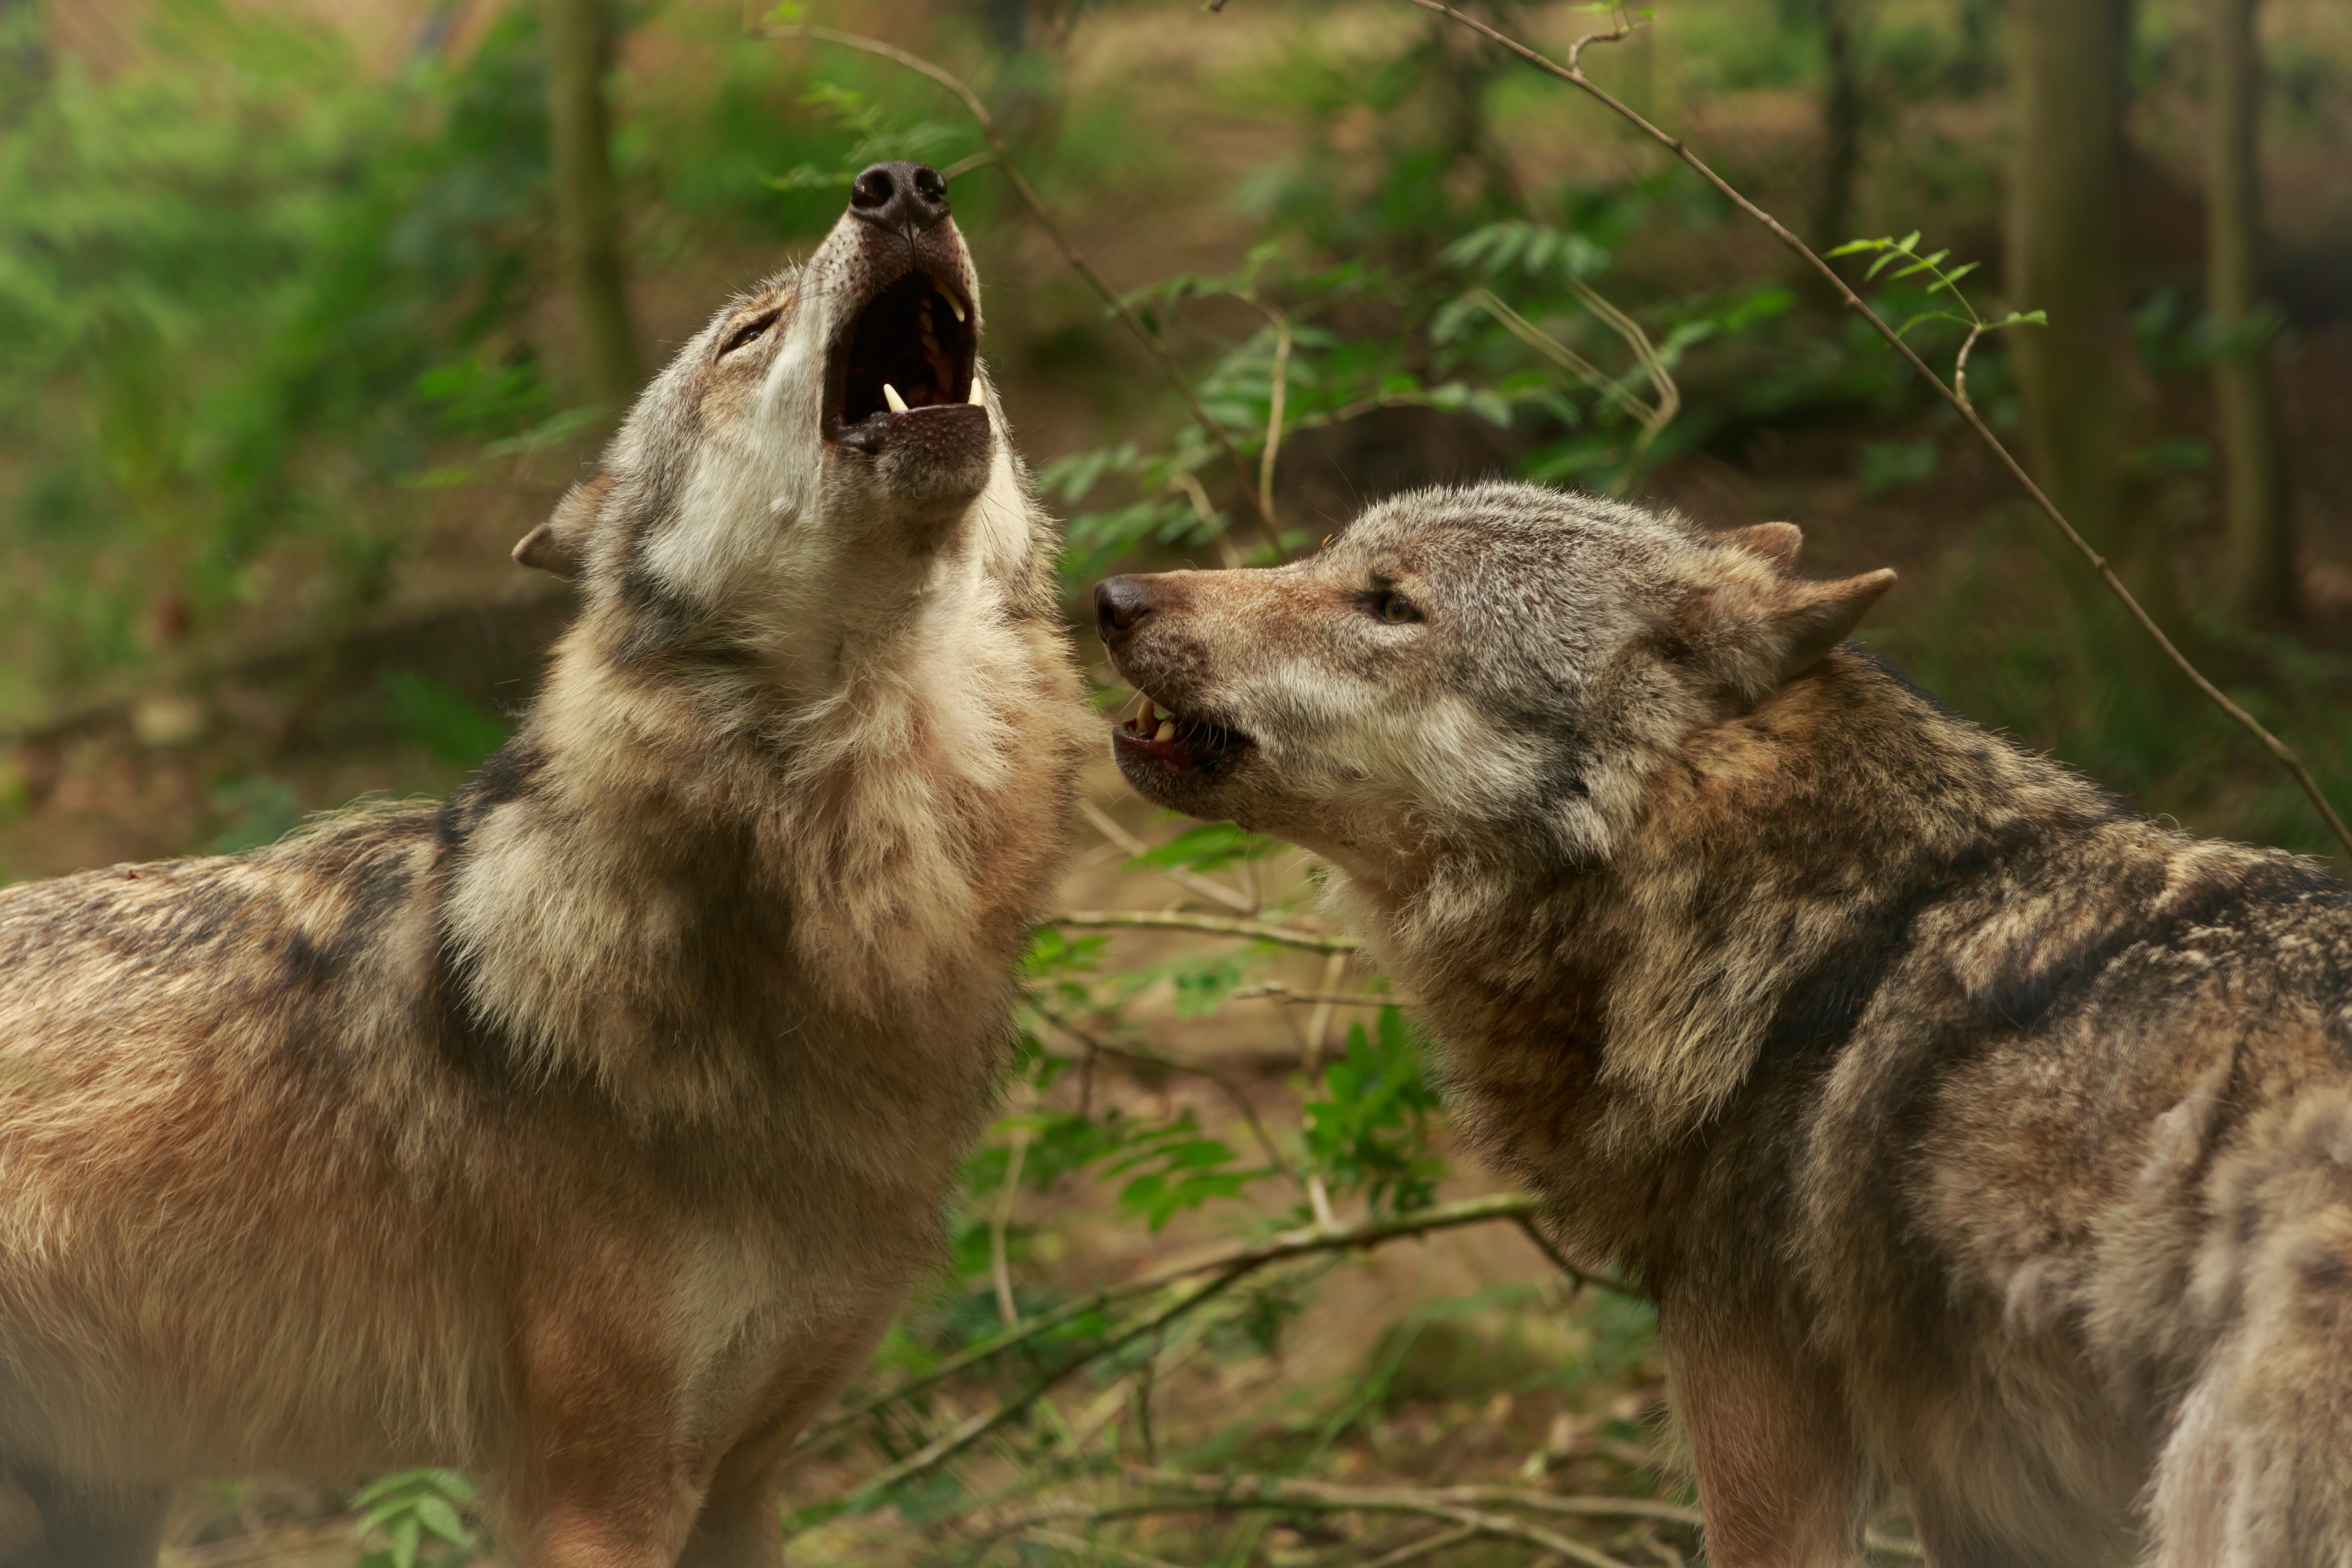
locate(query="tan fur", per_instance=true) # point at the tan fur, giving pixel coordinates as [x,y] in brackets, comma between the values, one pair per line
[584,1132]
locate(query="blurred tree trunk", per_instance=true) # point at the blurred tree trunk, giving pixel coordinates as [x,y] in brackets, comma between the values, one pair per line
[2261,573]
[580,48]
[2064,258]
[1842,116]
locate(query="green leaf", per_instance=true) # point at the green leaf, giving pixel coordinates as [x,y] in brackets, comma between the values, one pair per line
[406,1535]
[1883,262]
[1857,247]
[1907,241]
[1211,847]
[435,1515]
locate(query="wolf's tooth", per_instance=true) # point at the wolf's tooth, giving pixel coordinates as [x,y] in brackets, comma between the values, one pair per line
[956,305]
[1143,720]
[890,395]
[975,399]
[1167,730]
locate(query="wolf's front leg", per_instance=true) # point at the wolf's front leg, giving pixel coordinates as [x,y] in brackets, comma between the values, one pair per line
[739,1526]
[78,1524]
[1777,1476]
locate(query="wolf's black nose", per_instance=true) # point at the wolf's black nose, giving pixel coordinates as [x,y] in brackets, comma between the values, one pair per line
[901,196]
[1119,604]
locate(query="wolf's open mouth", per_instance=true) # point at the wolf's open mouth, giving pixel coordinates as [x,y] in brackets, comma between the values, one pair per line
[1177,744]
[910,348]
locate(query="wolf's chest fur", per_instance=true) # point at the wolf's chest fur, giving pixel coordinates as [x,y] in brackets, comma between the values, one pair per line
[708,1032]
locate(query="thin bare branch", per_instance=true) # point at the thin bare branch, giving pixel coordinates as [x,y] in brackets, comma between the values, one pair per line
[1191,881]
[1208,925]
[1319,1028]
[1231,1091]
[1000,1255]
[1062,242]
[1277,390]
[1279,1248]
[1532,1229]
[1573,74]
[1274,991]
[1427,1546]
[1469,1507]
[1061,1541]
[966,1433]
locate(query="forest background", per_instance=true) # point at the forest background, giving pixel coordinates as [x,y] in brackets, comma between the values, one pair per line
[309,309]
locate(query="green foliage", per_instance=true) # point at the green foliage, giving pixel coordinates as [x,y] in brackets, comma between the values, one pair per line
[420,1515]
[876,137]
[1209,846]
[229,273]
[258,810]
[1369,1131]
[432,718]
[1940,280]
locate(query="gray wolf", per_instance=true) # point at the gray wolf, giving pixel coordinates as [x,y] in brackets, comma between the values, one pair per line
[585,1131]
[1986,1146]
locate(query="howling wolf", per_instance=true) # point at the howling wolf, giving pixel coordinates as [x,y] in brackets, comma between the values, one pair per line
[583,1133]
[1986,1146]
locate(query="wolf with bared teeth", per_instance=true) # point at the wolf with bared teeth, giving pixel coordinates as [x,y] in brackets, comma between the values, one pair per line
[1986,1146]
[585,1131]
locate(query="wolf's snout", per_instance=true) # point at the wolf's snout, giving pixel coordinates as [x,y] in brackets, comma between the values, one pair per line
[901,196]
[1119,604]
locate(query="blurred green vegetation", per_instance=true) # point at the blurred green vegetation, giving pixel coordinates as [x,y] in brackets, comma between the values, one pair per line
[281,316]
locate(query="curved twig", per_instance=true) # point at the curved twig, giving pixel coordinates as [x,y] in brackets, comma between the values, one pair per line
[1209,925]
[1216,1076]
[1453,1504]
[1191,881]
[1070,252]
[1279,1248]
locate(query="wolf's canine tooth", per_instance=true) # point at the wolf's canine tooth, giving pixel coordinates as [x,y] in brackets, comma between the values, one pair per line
[890,395]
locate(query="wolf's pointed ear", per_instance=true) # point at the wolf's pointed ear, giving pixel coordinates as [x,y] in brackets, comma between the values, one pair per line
[559,545]
[1754,629]
[1776,541]
[1811,618]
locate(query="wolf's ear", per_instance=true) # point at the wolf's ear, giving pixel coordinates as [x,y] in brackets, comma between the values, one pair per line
[1758,629]
[559,545]
[1776,541]
[1811,618]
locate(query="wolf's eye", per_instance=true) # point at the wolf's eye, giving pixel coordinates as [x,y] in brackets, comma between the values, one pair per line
[1390,607]
[749,333]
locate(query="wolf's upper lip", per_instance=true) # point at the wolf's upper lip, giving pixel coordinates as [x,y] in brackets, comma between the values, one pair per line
[910,345]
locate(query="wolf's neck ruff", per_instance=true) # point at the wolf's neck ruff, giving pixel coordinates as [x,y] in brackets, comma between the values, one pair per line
[812,696]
